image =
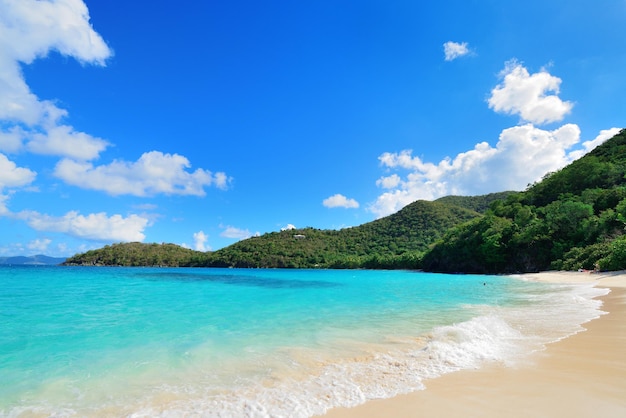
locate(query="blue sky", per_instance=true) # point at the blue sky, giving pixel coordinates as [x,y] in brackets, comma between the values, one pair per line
[201,123]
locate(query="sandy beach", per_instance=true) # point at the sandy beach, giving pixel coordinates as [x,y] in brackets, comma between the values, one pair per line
[581,376]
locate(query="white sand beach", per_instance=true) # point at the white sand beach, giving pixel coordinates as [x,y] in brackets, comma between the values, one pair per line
[581,376]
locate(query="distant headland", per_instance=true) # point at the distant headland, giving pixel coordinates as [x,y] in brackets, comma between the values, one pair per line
[33,260]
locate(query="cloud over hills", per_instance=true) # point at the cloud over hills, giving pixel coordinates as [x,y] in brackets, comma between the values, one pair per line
[526,95]
[522,154]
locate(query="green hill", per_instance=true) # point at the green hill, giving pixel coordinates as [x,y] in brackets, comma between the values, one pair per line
[134,254]
[572,219]
[479,204]
[395,241]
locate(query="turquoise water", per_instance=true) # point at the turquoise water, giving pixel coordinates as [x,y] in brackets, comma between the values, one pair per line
[229,342]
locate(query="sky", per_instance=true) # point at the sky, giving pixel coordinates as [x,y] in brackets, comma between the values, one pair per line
[201,123]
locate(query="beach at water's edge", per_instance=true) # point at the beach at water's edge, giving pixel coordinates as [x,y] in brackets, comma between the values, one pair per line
[580,376]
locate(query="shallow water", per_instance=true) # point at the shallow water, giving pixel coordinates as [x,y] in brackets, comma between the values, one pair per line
[137,342]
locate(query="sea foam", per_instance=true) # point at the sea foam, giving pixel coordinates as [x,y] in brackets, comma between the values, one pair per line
[220,343]
[504,335]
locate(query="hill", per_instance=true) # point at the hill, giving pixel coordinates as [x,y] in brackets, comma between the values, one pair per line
[40,260]
[135,254]
[395,241]
[572,219]
[479,204]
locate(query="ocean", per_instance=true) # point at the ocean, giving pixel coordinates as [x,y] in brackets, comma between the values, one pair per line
[169,342]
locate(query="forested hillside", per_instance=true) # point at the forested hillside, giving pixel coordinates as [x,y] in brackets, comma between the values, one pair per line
[479,204]
[396,241]
[572,219]
[135,254]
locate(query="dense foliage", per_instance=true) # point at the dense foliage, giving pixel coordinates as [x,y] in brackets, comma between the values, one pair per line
[479,204]
[135,254]
[396,241]
[572,219]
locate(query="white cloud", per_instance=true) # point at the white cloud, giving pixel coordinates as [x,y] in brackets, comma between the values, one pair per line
[288,227]
[64,141]
[13,176]
[236,233]
[17,103]
[454,50]
[39,245]
[598,140]
[389,182]
[95,226]
[526,95]
[59,140]
[340,201]
[153,173]
[12,249]
[30,29]
[11,139]
[200,239]
[522,155]
[4,210]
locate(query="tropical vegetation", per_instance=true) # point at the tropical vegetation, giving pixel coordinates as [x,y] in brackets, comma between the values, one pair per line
[571,219]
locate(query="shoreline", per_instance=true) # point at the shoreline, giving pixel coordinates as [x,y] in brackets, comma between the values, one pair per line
[583,375]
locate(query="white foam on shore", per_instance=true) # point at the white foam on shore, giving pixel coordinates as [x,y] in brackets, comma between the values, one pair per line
[501,334]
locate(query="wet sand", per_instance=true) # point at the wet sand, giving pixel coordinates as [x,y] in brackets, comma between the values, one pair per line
[581,376]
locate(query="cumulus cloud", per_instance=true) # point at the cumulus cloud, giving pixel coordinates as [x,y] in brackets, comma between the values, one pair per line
[288,227]
[4,210]
[200,239]
[236,233]
[13,176]
[34,27]
[340,201]
[39,245]
[392,181]
[522,155]
[598,140]
[152,174]
[95,226]
[65,142]
[526,95]
[11,139]
[30,29]
[454,50]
